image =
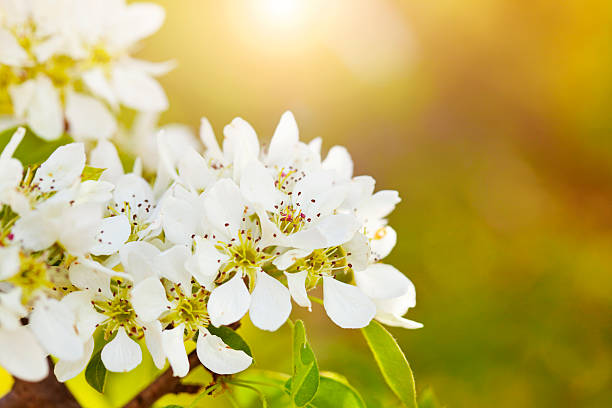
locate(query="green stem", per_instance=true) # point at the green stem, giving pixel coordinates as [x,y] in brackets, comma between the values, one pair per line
[315,299]
[261,395]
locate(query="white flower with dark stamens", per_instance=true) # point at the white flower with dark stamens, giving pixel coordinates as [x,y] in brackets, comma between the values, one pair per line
[345,304]
[111,306]
[237,234]
[392,292]
[305,215]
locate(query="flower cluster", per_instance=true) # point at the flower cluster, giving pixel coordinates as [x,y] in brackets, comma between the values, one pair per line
[66,65]
[97,260]
[86,248]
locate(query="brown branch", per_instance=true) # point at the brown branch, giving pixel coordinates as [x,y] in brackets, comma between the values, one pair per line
[164,384]
[48,393]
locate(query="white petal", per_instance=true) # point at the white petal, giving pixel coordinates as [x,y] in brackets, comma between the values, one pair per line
[11,52]
[44,113]
[136,22]
[383,242]
[229,302]
[339,161]
[88,118]
[86,278]
[284,141]
[241,144]
[21,97]
[297,288]
[172,266]
[288,258]
[11,172]
[397,306]
[138,259]
[65,370]
[378,205]
[393,320]
[11,309]
[12,145]
[382,281]
[219,358]
[99,85]
[318,186]
[257,186]
[205,262]
[331,231]
[134,191]
[153,340]
[347,305]
[209,140]
[114,232]
[84,221]
[149,299]
[91,191]
[174,348]
[9,262]
[87,319]
[270,303]
[193,170]
[152,68]
[62,168]
[225,206]
[53,325]
[34,231]
[136,89]
[358,252]
[122,354]
[180,220]
[21,355]
[105,156]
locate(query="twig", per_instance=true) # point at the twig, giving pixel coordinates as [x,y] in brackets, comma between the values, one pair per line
[48,393]
[164,384]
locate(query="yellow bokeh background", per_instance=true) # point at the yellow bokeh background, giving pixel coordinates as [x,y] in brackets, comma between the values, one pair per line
[492,120]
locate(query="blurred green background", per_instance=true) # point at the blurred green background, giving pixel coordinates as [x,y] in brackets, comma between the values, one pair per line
[493,120]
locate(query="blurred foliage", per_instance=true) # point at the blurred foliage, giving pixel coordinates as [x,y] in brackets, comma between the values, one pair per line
[496,130]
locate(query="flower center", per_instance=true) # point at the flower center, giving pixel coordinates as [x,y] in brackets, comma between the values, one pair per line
[32,276]
[245,254]
[322,262]
[188,309]
[119,312]
[289,219]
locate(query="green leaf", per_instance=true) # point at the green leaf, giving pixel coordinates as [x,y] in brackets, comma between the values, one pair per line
[173,406]
[336,392]
[32,149]
[231,338]
[305,380]
[95,373]
[91,173]
[428,399]
[391,362]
